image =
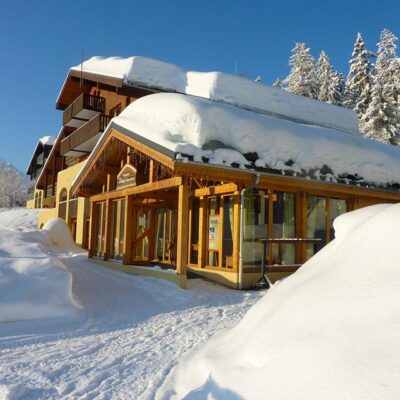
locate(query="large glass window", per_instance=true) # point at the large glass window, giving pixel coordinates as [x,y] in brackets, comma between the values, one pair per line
[337,207]
[194,231]
[268,214]
[321,212]
[99,228]
[118,229]
[142,234]
[227,232]
[166,231]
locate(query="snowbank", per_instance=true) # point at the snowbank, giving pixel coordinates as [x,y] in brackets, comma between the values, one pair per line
[33,283]
[221,87]
[184,124]
[58,233]
[330,331]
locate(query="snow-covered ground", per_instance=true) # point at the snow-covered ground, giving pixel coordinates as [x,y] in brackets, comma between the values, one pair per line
[130,333]
[331,331]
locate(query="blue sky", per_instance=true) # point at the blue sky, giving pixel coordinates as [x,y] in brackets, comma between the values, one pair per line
[40,40]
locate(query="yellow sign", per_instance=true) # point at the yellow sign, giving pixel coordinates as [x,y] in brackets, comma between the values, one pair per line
[126,177]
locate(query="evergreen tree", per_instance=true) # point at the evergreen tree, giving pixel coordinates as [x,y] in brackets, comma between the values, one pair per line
[258,79]
[381,120]
[302,78]
[336,89]
[324,77]
[278,84]
[358,80]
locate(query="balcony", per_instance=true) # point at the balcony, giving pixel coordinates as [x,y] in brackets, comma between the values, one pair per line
[84,108]
[83,140]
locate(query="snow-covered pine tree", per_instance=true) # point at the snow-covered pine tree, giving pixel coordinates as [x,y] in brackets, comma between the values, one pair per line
[258,79]
[358,80]
[381,120]
[324,77]
[336,89]
[302,79]
[278,84]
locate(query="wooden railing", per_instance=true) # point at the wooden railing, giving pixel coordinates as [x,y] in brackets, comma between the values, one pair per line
[97,124]
[84,102]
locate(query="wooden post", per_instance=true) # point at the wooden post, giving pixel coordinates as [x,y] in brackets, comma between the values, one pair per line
[152,233]
[92,228]
[236,232]
[151,171]
[53,191]
[202,232]
[182,237]
[301,225]
[107,235]
[128,229]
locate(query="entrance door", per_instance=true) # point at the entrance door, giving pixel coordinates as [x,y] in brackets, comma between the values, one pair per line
[142,234]
[166,231]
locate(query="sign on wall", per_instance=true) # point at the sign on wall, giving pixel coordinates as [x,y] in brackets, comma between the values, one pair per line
[213,232]
[126,177]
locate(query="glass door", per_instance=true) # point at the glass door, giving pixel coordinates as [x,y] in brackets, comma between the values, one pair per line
[142,234]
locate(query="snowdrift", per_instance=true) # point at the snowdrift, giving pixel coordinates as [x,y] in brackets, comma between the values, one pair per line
[33,283]
[330,331]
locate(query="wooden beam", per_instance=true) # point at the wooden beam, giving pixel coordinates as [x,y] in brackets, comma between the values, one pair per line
[108,228]
[202,232]
[214,172]
[147,150]
[128,230]
[236,233]
[214,190]
[92,229]
[145,188]
[182,228]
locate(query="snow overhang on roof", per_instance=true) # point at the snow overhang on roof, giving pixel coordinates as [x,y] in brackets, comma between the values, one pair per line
[220,87]
[194,129]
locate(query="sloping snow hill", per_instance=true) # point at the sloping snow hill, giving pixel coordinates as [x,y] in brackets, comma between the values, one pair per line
[133,330]
[33,283]
[330,331]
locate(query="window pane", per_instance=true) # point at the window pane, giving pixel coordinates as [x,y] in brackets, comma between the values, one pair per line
[194,233]
[338,207]
[316,222]
[227,238]
[284,226]
[255,226]
[122,229]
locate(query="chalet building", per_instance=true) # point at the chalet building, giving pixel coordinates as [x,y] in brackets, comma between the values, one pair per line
[38,160]
[161,171]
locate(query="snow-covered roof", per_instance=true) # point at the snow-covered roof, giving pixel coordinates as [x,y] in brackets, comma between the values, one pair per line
[189,128]
[221,87]
[47,140]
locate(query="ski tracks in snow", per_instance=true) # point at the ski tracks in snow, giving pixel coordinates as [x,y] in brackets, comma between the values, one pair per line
[135,330]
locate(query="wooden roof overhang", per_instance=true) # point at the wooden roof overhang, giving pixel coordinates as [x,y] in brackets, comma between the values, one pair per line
[77,83]
[40,148]
[223,174]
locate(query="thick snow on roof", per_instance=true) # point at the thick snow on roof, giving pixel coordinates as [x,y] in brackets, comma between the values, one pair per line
[221,134]
[47,140]
[224,88]
[330,331]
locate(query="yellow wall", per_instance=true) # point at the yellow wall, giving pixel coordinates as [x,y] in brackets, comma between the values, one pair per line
[46,215]
[30,203]
[64,181]
[180,280]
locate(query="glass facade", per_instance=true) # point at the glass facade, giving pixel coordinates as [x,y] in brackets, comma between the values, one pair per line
[268,214]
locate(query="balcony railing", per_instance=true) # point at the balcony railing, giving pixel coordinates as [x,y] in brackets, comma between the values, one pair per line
[83,109]
[84,138]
